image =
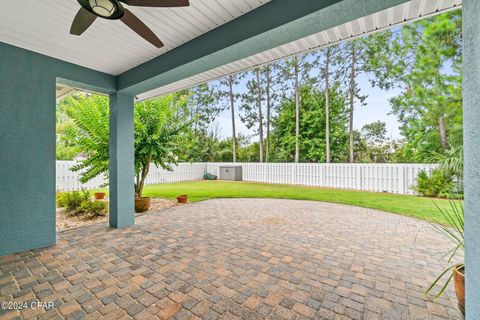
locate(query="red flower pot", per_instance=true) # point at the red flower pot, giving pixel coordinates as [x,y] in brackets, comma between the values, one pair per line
[182,199]
[99,195]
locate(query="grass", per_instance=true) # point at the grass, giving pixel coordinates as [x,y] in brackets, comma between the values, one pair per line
[411,206]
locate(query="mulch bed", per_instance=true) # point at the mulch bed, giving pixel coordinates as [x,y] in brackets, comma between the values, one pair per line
[66,221]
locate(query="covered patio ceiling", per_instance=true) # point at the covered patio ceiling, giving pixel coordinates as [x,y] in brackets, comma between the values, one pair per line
[110,46]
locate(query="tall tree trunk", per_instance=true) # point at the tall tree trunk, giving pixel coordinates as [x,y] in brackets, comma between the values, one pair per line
[327,105]
[232,108]
[260,115]
[267,141]
[443,131]
[297,112]
[141,179]
[352,91]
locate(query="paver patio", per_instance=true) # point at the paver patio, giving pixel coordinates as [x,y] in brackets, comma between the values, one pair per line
[236,258]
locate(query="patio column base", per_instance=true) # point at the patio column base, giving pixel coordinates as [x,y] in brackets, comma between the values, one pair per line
[121,161]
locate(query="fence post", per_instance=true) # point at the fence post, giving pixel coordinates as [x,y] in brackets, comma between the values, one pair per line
[401,189]
[361,177]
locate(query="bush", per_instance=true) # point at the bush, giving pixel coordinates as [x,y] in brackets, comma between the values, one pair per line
[93,209]
[80,203]
[61,199]
[73,200]
[438,184]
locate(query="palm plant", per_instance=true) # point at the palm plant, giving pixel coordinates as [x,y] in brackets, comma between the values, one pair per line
[453,231]
[451,162]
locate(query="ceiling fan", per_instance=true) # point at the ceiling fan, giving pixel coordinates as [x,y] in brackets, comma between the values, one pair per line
[114,10]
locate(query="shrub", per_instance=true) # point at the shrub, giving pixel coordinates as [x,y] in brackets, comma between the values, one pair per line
[93,209]
[438,184]
[80,203]
[61,199]
[73,200]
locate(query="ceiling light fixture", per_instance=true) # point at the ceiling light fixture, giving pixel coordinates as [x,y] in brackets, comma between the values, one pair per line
[104,8]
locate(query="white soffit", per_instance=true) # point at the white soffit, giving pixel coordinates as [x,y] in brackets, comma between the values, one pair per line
[43,26]
[408,11]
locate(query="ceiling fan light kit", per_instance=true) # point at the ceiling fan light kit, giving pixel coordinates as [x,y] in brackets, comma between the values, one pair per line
[103,8]
[114,10]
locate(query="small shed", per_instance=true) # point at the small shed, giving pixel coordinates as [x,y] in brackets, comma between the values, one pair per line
[230,172]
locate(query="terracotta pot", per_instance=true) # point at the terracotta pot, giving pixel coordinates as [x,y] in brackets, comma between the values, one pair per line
[99,195]
[182,199]
[142,204]
[459,282]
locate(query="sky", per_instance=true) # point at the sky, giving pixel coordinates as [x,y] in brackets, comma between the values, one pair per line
[376,109]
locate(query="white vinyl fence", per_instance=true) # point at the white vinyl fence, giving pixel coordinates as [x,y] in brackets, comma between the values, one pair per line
[68,180]
[392,178]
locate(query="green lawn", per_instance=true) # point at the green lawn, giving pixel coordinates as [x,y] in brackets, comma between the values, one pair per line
[417,207]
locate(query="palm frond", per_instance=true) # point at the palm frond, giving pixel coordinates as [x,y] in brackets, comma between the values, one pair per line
[454,232]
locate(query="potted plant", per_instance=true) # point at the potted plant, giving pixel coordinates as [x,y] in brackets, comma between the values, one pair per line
[142,204]
[158,125]
[454,216]
[99,195]
[182,199]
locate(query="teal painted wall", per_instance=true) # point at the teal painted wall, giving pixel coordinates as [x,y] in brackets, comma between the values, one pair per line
[471,119]
[27,143]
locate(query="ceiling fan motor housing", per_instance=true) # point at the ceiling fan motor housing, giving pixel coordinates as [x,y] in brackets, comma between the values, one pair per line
[107,9]
[113,10]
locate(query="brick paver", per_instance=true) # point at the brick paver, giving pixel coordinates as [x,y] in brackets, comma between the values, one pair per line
[236,259]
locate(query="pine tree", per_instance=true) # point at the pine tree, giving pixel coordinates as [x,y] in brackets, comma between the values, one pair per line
[350,64]
[423,60]
[324,60]
[260,113]
[297,68]
[229,82]
[252,108]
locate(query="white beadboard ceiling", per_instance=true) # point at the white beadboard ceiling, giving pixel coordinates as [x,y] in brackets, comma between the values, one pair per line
[408,11]
[110,46]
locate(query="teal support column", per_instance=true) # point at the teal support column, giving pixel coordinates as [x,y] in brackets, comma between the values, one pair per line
[27,143]
[471,116]
[27,152]
[121,161]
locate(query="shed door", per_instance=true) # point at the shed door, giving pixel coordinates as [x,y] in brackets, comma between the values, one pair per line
[225,173]
[229,174]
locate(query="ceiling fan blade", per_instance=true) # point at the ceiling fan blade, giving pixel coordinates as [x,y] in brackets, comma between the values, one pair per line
[157,3]
[140,28]
[83,19]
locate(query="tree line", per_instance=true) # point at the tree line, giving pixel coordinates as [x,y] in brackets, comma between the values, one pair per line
[301,109]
